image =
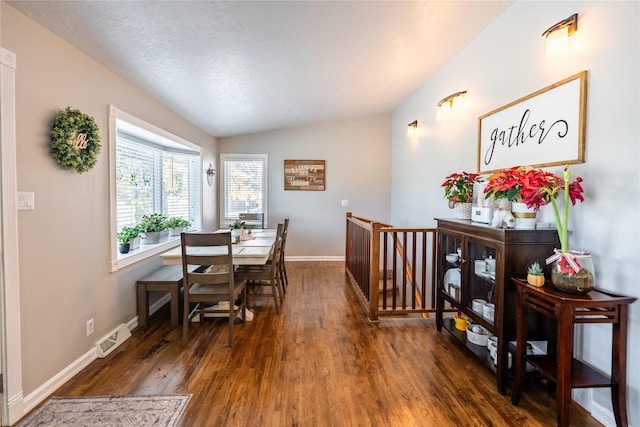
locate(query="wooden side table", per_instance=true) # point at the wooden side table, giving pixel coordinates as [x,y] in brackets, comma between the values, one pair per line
[567,310]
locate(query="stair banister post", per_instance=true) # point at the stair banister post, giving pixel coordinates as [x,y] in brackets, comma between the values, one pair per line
[374,270]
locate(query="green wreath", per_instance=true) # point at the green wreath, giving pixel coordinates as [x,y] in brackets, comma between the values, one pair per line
[75,140]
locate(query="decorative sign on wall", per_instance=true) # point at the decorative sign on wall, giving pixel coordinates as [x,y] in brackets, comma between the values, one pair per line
[546,128]
[304,175]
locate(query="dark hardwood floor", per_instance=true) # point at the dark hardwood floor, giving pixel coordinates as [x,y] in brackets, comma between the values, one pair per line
[318,363]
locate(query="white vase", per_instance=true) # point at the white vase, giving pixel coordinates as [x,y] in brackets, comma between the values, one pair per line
[525,217]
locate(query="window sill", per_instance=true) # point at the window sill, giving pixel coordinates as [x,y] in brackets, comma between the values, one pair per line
[142,253]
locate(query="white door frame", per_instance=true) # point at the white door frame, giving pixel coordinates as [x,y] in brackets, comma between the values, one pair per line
[11,357]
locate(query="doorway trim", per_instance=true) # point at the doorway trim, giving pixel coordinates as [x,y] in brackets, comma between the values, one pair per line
[11,345]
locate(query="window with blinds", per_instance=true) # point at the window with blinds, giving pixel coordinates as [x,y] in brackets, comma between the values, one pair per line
[152,171]
[244,185]
[152,178]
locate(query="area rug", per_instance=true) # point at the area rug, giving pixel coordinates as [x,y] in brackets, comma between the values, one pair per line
[138,411]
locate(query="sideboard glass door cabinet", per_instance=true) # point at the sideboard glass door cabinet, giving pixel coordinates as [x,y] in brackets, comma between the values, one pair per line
[466,278]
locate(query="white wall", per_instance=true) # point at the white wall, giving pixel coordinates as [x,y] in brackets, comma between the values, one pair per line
[64,244]
[357,154]
[505,63]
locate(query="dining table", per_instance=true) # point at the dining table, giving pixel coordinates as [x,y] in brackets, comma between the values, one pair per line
[253,249]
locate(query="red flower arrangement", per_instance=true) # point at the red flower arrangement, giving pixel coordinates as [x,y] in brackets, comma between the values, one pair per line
[506,184]
[536,188]
[458,187]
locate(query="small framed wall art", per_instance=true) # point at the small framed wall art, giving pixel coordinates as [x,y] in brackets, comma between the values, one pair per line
[304,175]
[545,128]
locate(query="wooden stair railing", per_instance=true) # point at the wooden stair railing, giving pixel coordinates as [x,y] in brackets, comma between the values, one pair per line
[392,269]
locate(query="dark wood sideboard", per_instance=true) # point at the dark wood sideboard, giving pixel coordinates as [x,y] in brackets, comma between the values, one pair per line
[513,250]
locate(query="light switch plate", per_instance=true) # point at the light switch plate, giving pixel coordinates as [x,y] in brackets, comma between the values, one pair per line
[26,201]
[345,203]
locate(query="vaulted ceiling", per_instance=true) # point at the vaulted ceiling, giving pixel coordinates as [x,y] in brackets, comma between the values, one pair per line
[238,67]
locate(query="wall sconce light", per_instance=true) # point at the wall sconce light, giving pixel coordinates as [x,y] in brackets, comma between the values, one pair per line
[210,173]
[455,101]
[411,128]
[557,36]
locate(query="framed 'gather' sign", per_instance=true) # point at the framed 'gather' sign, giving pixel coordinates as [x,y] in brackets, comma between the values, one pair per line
[304,175]
[545,128]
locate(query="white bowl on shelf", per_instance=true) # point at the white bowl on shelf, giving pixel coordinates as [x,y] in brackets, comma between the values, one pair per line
[451,258]
[477,334]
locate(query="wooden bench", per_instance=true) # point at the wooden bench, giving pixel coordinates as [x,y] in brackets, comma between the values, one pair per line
[166,278]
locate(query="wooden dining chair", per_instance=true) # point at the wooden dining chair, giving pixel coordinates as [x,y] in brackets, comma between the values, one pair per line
[263,276]
[253,220]
[283,269]
[282,234]
[212,282]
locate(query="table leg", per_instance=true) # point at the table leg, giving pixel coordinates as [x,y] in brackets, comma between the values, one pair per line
[143,305]
[175,297]
[564,349]
[521,339]
[619,368]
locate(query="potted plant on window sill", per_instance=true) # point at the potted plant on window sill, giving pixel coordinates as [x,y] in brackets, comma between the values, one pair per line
[125,237]
[177,225]
[153,229]
[135,241]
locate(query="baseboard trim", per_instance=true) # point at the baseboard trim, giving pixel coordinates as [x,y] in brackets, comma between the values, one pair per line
[15,405]
[45,390]
[33,399]
[602,414]
[314,258]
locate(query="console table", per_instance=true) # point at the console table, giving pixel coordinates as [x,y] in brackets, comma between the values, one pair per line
[567,310]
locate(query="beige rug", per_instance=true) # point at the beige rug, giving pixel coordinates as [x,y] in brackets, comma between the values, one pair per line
[102,411]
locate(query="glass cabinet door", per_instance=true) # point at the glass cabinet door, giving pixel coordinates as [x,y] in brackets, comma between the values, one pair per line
[451,256]
[480,280]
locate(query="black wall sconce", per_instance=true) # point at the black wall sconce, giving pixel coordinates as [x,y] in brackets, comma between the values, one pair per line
[210,173]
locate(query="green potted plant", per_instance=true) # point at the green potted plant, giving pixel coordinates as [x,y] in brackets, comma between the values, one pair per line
[135,241]
[535,276]
[238,225]
[125,237]
[238,228]
[458,190]
[177,225]
[153,228]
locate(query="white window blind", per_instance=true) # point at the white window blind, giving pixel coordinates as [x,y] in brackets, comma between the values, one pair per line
[152,178]
[244,185]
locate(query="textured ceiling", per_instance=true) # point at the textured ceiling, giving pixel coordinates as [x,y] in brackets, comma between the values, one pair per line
[240,67]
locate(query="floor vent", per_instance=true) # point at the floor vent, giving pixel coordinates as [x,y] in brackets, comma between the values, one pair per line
[109,343]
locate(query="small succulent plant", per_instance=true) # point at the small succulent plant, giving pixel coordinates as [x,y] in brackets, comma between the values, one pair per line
[535,270]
